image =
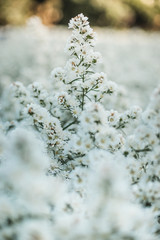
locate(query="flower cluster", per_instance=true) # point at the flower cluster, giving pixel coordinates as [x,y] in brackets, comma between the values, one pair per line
[63,146]
[143,152]
[26,199]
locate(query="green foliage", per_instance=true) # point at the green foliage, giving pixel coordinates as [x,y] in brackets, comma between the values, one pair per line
[16,12]
[122,13]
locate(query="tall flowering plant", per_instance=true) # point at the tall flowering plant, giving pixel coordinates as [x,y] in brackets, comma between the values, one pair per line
[71,117]
[80,83]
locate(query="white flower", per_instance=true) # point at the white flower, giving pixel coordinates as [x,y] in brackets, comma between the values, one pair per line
[93,117]
[134,112]
[109,139]
[78,21]
[113,117]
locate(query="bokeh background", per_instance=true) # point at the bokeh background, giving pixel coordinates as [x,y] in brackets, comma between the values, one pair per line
[114,13]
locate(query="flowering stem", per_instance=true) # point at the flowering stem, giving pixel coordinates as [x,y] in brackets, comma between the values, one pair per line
[70,124]
[83,93]
[82,98]
[10,222]
[147,149]
[74,80]
[80,62]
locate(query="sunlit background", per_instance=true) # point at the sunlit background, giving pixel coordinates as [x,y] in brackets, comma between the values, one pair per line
[115,13]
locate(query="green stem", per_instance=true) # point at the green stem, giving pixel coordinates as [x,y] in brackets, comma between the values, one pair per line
[70,124]
[74,80]
[80,62]
[82,98]
[83,93]
[10,222]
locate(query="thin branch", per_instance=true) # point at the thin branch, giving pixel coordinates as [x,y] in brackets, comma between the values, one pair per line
[70,124]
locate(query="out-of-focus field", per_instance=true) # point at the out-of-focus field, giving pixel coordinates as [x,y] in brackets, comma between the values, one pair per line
[130,57]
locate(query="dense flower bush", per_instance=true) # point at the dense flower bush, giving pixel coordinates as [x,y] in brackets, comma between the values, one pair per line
[72,167]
